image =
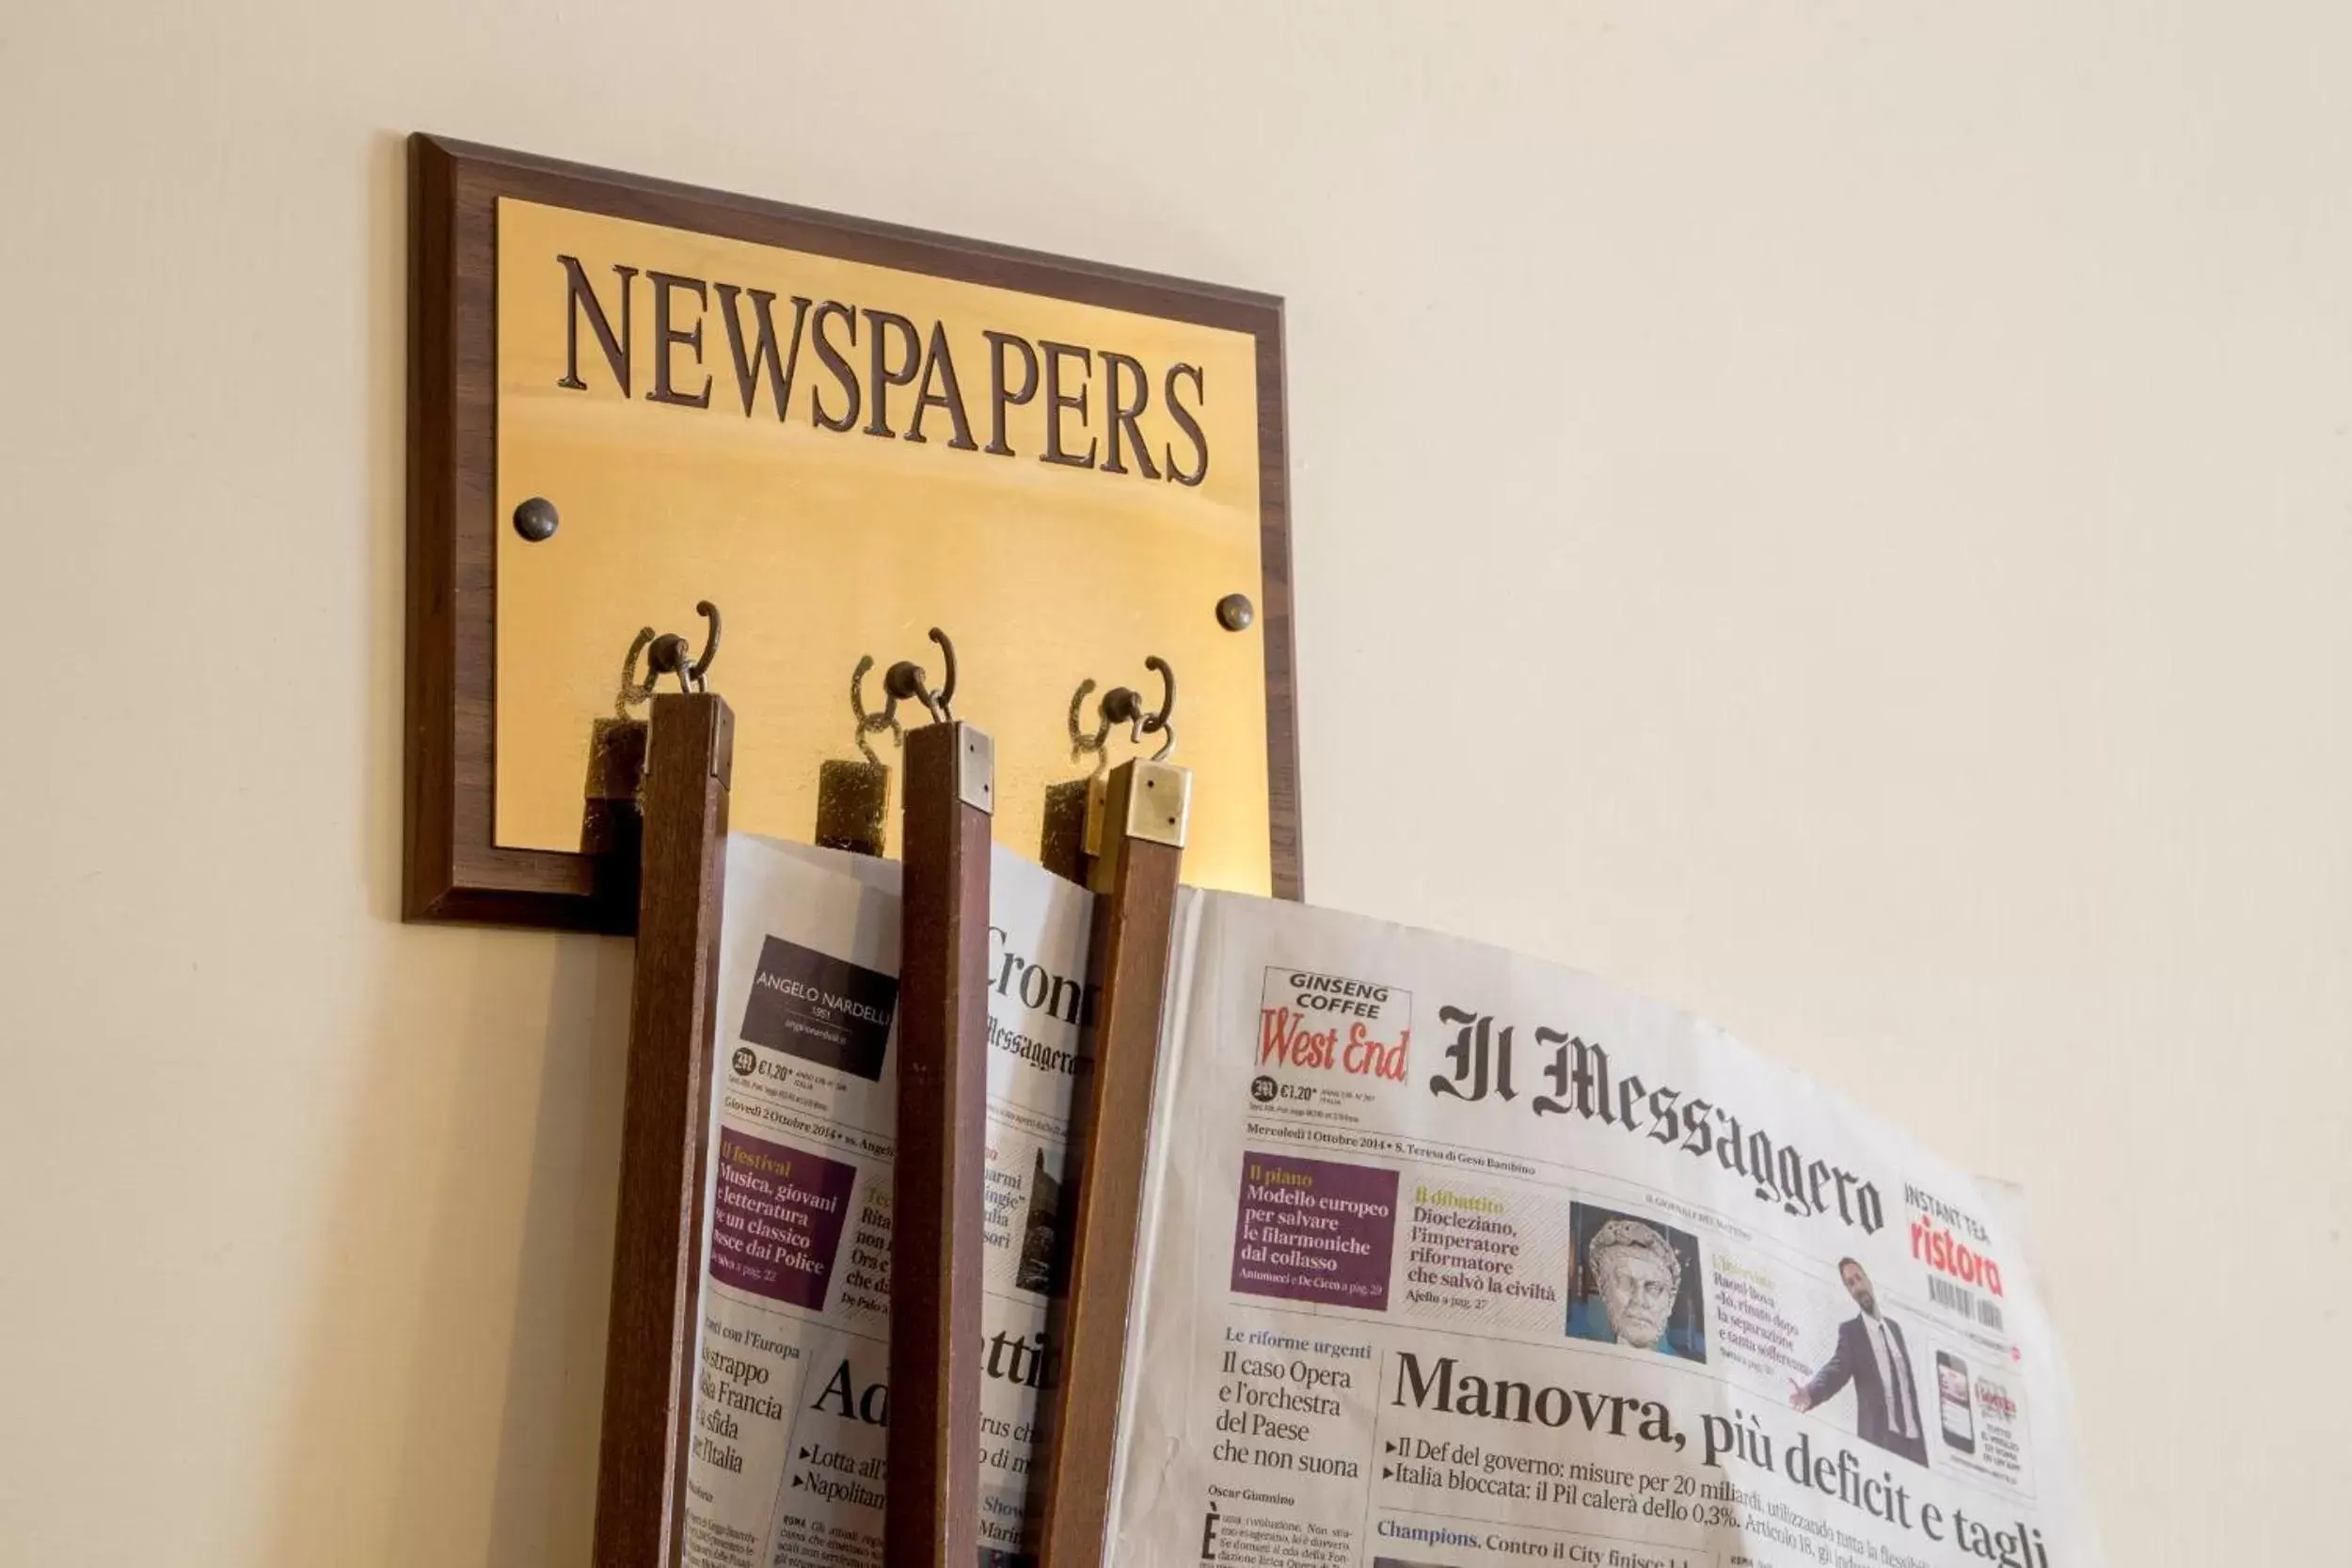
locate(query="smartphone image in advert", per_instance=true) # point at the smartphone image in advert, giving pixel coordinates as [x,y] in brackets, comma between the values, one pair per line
[1960,1416]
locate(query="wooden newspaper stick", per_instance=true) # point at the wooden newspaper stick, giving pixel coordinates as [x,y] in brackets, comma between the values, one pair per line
[1134,877]
[657,1241]
[935,1241]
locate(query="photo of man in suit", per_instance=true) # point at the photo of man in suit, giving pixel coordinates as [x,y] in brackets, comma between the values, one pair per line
[1872,1355]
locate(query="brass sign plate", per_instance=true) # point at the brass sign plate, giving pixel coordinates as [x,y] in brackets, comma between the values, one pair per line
[628,396]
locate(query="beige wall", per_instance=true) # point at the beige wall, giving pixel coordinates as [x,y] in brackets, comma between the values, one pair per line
[1859,492]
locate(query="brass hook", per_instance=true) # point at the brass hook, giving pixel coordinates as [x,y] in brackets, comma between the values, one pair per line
[666,655]
[1124,705]
[905,682]
[1081,743]
[709,612]
[872,723]
[902,682]
[632,692]
[1163,721]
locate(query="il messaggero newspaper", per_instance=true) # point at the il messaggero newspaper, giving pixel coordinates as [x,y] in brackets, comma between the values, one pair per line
[1456,1258]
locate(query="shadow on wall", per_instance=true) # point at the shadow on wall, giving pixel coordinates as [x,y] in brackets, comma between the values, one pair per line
[451,1371]
[452,1378]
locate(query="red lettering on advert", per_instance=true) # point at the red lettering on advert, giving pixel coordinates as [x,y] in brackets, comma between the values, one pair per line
[1285,1039]
[1375,1057]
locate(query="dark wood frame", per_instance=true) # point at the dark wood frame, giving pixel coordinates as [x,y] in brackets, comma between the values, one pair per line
[454,870]
[1135,905]
[665,1136]
[937,1185]
[663,1221]
[936,1232]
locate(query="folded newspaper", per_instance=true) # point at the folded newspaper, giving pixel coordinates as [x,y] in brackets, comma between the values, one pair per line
[1450,1257]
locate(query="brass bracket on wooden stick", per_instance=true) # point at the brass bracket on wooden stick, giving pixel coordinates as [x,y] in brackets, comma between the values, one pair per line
[936,1232]
[1147,807]
[665,1128]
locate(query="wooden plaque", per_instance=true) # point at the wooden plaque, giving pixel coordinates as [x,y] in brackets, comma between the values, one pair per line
[627,395]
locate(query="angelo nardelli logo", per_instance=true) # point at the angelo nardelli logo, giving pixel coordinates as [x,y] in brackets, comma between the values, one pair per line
[820,1008]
